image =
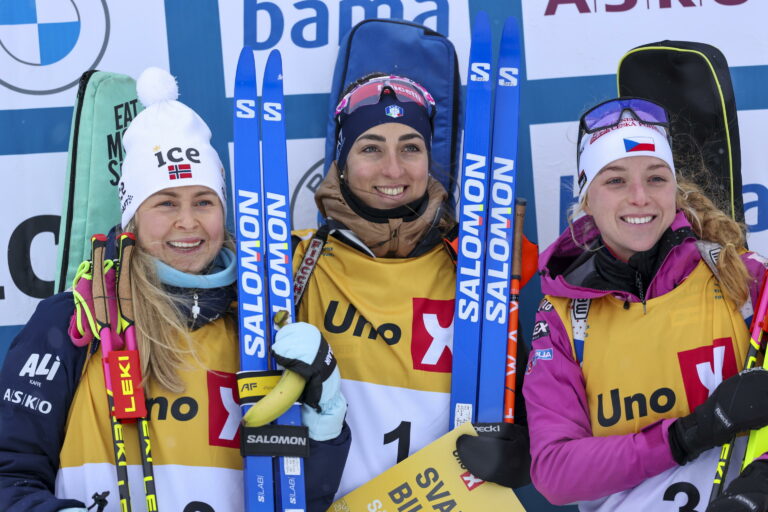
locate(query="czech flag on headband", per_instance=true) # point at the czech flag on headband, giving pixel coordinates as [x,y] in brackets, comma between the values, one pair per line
[639,144]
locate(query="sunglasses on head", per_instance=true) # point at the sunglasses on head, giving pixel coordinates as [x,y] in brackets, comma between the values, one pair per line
[370,93]
[610,113]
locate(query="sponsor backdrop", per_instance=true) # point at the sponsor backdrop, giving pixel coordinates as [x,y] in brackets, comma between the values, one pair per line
[572,49]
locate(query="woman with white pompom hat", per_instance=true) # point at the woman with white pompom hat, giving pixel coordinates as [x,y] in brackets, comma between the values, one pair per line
[56,445]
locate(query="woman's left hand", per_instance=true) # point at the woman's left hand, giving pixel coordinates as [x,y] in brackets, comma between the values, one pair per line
[301,348]
[747,493]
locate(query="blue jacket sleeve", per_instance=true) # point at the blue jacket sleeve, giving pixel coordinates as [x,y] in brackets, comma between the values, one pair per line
[37,382]
[323,469]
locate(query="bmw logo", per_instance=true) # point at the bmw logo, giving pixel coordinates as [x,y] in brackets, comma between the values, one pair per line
[45,46]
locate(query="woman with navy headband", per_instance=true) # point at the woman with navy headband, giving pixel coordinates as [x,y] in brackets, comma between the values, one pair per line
[381,292]
[633,382]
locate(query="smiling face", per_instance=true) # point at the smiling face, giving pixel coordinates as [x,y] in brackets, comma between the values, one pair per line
[182,227]
[632,201]
[388,166]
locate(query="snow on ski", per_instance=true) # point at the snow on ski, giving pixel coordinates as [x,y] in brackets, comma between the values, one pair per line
[500,220]
[472,212]
[279,254]
[257,471]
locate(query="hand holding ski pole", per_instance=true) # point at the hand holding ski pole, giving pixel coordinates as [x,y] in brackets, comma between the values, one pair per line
[759,326]
[738,404]
[747,493]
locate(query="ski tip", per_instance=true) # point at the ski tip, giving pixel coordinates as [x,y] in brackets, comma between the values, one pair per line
[275,60]
[511,29]
[510,42]
[482,18]
[482,25]
[246,65]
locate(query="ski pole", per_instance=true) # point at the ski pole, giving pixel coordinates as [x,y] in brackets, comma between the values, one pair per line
[759,325]
[514,312]
[126,322]
[101,305]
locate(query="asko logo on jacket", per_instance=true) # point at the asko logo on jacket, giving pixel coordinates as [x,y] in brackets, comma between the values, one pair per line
[704,368]
[432,335]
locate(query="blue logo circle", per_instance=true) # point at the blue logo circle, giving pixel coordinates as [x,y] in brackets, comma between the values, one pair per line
[45,46]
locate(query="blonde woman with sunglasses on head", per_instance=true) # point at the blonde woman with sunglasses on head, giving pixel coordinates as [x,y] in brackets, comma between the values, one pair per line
[633,380]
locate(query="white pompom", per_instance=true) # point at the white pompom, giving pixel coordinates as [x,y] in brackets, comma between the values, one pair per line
[156,85]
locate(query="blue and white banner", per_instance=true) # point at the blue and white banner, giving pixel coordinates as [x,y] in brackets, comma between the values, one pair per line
[571,53]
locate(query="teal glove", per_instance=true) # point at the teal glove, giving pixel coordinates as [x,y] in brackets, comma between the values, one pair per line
[301,348]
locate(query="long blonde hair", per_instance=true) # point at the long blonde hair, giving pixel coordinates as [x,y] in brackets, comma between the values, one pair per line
[162,333]
[710,223]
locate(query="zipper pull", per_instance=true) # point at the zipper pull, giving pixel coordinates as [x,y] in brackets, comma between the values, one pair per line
[195,308]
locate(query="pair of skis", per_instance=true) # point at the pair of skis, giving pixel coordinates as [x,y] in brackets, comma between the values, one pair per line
[265,282]
[121,363]
[485,343]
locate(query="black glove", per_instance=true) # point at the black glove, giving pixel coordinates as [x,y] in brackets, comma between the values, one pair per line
[739,403]
[499,454]
[747,493]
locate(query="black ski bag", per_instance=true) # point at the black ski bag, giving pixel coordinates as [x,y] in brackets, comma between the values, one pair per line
[693,82]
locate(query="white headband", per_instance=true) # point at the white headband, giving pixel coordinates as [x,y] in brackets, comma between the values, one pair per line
[629,137]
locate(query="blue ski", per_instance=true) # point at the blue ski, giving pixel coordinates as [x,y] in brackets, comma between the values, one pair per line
[252,314]
[501,218]
[279,254]
[472,226]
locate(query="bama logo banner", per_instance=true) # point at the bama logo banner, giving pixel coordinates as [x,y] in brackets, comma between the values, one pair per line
[630,23]
[308,33]
[432,335]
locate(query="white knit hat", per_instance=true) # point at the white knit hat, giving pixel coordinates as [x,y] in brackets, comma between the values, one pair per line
[166,145]
[629,137]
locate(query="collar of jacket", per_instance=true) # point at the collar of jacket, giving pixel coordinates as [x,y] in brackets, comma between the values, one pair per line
[397,233]
[570,270]
[201,306]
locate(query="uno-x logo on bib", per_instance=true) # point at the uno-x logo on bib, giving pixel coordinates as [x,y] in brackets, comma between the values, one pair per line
[223,410]
[432,335]
[704,368]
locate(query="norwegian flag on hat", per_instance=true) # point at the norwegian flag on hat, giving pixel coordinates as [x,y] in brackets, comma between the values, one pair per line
[181,171]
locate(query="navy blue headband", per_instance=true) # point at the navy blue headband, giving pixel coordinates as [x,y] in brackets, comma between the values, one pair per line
[388,110]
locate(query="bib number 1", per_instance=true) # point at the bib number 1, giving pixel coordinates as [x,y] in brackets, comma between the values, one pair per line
[401,434]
